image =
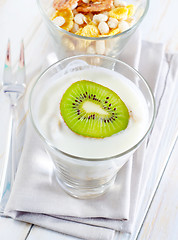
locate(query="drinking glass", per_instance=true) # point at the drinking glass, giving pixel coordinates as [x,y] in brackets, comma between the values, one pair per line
[84,177]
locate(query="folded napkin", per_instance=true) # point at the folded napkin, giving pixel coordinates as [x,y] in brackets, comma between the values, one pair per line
[37,198]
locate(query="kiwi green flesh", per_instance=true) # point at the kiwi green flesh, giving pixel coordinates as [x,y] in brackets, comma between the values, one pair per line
[108,116]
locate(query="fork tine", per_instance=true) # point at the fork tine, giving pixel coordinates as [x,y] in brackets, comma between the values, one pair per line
[8,56]
[22,57]
[7,77]
[20,75]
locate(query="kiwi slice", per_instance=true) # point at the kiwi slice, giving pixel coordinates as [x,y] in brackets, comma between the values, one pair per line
[92,110]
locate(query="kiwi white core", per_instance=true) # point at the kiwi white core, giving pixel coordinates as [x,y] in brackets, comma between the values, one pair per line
[90,107]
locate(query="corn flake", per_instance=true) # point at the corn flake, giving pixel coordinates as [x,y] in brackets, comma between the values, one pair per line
[94,6]
[131,10]
[68,16]
[79,32]
[119,13]
[68,43]
[114,31]
[90,31]
[83,44]
[63,4]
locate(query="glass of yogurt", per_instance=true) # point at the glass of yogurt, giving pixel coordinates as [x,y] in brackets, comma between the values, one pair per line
[86,167]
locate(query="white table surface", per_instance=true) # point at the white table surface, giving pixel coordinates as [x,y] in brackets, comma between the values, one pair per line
[21,19]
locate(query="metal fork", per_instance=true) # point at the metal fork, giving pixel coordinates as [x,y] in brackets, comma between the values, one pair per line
[14,87]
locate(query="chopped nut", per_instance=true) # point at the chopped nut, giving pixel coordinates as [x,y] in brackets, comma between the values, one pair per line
[79,18]
[113,23]
[103,28]
[59,21]
[97,18]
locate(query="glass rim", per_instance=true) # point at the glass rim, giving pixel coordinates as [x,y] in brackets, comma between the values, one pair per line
[102,158]
[95,38]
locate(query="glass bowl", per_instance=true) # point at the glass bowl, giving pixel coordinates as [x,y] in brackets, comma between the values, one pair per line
[69,44]
[79,175]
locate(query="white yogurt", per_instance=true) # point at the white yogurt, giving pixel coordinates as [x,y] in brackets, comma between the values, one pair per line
[52,126]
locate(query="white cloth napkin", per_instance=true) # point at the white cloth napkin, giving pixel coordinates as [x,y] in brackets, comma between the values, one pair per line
[37,198]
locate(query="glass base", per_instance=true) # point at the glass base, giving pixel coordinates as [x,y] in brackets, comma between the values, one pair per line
[85,190]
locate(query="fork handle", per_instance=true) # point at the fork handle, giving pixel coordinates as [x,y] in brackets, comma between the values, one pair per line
[9,167]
